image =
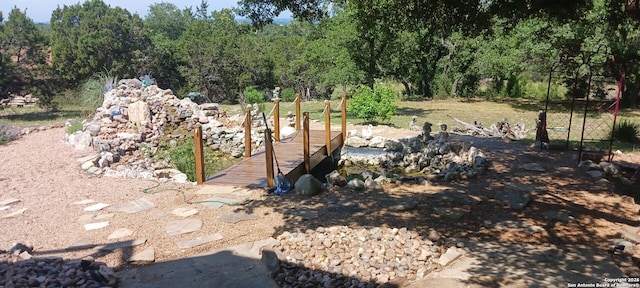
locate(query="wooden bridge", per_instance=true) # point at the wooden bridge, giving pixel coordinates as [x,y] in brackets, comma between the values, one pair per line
[294,156]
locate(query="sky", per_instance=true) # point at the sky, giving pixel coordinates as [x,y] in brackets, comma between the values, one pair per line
[40,10]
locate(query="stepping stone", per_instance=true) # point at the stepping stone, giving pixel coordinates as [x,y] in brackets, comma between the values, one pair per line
[9,201]
[533,167]
[96,207]
[120,233]
[456,197]
[83,202]
[226,190]
[183,226]
[145,257]
[560,216]
[621,245]
[631,233]
[97,225]
[217,202]
[91,157]
[119,245]
[184,211]
[4,208]
[451,255]
[451,213]
[344,206]
[509,222]
[136,206]
[14,214]
[81,245]
[515,199]
[236,217]
[85,219]
[398,205]
[104,216]
[520,186]
[199,241]
[305,213]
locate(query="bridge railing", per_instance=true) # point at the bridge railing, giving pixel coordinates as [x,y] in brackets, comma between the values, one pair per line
[269,137]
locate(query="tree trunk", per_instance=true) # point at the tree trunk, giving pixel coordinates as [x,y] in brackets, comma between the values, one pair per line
[372,63]
[407,88]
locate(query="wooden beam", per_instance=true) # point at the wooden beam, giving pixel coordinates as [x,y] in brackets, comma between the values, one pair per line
[247,133]
[276,120]
[344,117]
[268,152]
[327,126]
[197,141]
[297,111]
[305,142]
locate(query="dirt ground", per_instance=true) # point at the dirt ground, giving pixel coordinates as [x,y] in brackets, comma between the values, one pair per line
[41,170]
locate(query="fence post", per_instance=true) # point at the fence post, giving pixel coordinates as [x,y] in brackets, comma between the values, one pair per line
[297,111]
[247,133]
[305,142]
[268,152]
[327,126]
[276,120]
[197,141]
[344,117]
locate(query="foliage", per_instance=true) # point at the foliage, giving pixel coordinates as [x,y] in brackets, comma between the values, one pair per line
[92,90]
[182,156]
[253,96]
[288,94]
[373,105]
[74,127]
[627,131]
[8,133]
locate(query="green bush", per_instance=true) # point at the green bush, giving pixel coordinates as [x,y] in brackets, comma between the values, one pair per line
[627,131]
[253,96]
[75,126]
[8,133]
[288,95]
[183,157]
[92,91]
[374,105]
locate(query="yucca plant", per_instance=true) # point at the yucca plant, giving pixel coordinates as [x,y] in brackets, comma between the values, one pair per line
[627,131]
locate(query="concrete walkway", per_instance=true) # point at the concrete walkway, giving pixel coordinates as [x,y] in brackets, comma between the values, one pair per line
[233,267]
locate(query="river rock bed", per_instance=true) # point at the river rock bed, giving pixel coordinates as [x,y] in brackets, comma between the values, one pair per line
[19,269]
[340,256]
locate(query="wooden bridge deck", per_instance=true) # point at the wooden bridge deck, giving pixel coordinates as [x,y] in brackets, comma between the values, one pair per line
[252,172]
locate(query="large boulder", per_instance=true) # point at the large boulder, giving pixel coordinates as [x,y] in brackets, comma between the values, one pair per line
[307,185]
[139,113]
[334,178]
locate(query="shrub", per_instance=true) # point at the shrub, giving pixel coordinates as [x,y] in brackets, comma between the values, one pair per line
[92,91]
[288,95]
[8,133]
[74,127]
[372,105]
[182,156]
[627,131]
[253,96]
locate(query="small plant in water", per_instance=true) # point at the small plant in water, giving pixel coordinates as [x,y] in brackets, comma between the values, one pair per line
[8,133]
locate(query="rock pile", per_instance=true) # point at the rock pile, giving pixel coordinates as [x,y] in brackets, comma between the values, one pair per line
[433,158]
[133,122]
[340,256]
[19,269]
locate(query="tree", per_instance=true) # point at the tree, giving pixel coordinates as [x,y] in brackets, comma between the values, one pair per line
[92,38]
[22,53]
[164,24]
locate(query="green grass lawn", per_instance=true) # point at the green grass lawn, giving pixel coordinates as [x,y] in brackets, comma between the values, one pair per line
[34,115]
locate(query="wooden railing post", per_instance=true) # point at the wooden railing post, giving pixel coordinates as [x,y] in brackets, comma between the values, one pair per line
[276,120]
[197,141]
[247,133]
[268,152]
[297,111]
[305,142]
[344,117]
[327,126]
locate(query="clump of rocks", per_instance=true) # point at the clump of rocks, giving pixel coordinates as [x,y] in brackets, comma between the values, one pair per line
[432,157]
[18,268]
[340,256]
[134,122]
